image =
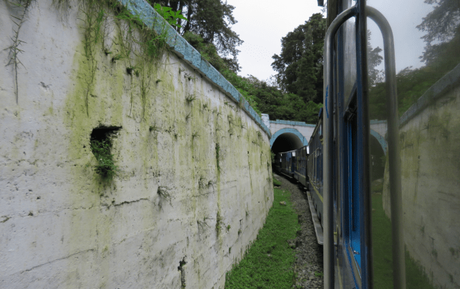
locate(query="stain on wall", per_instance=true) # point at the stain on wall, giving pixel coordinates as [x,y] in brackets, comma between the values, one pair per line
[192,173]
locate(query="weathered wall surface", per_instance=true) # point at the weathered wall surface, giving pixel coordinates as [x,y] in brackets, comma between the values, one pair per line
[194,180]
[430,155]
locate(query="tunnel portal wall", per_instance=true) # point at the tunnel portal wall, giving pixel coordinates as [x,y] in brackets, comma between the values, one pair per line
[192,180]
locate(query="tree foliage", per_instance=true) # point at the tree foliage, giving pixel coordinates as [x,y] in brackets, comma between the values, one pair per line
[269,99]
[374,59]
[208,30]
[442,27]
[211,19]
[209,52]
[300,64]
[441,23]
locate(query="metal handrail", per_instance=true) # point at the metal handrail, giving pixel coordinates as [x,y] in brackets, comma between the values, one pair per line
[328,231]
[399,268]
[393,148]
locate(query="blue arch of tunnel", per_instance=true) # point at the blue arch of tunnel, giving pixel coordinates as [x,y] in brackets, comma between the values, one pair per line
[381,140]
[304,141]
[288,130]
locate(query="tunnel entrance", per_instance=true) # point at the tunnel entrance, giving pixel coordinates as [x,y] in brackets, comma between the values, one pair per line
[285,142]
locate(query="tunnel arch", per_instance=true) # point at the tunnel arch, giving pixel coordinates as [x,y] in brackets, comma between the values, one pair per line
[381,140]
[287,139]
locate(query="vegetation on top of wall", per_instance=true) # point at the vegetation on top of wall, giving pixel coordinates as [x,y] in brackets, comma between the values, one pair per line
[261,96]
[441,55]
[135,39]
[171,16]
[139,46]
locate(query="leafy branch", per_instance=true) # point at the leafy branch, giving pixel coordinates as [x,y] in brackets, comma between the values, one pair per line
[169,15]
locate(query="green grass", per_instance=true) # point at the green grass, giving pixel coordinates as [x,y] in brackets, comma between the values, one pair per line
[269,261]
[381,242]
[106,167]
[276,182]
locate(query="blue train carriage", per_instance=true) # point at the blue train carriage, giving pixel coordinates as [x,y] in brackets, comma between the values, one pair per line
[315,177]
[288,163]
[300,167]
[341,143]
[378,220]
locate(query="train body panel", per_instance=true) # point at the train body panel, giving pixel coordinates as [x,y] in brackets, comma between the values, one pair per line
[383,184]
[315,172]
[371,165]
[300,168]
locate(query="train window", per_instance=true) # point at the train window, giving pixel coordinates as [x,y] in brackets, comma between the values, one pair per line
[427,45]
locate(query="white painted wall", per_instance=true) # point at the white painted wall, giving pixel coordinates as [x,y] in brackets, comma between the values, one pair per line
[60,227]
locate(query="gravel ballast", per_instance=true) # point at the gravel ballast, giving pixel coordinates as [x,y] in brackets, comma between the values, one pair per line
[309,255]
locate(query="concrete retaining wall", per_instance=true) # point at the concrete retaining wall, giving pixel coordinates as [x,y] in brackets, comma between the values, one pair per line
[430,159]
[194,180]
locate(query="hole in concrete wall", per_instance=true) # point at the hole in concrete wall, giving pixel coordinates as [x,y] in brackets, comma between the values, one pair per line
[101,146]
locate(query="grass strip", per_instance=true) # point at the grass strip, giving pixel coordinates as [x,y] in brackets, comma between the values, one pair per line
[269,261]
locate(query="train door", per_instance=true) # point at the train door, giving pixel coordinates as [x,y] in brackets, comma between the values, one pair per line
[346,155]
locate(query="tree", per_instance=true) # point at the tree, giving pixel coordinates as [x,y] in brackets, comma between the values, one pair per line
[374,59]
[441,23]
[443,27]
[300,64]
[211,19]
[208,30]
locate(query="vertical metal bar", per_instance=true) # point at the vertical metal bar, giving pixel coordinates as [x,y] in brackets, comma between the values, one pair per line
[328,246]
[363,158]
[399,269]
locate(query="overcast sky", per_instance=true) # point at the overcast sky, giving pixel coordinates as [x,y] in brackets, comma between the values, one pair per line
[261,24]
[403,16]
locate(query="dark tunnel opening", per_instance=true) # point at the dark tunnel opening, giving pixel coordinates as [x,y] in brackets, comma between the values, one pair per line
[286,142]
[377,159]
